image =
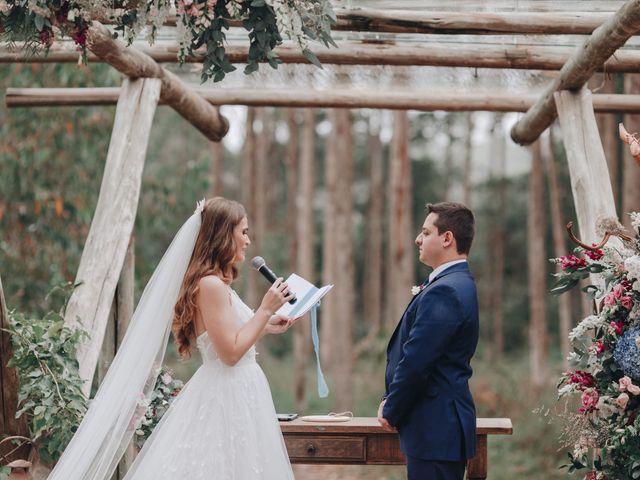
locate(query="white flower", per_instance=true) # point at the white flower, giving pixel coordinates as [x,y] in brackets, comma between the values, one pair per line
[635,220]
[4,7]
[200,206]
[166,379]
[632,265]
[584,326]
[416,289]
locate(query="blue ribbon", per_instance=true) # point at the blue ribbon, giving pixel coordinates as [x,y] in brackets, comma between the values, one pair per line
[323,389]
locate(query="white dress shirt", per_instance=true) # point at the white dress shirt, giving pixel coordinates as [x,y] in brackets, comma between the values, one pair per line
[437,271]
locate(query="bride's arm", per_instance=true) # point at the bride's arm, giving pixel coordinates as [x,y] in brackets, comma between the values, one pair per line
[231,341]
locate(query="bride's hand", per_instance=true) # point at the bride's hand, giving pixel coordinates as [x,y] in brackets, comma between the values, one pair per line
[277,324]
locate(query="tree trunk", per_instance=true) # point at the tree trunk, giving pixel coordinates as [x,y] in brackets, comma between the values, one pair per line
[9,386]
[344,280]
[375,213]
[468,153]
[608,128]
[293,217]
[216,172]
[537,271]
[559,247]
[448,157]
[401,252]
[304,232]
[498,236]
[247,194]
[329,248]
[630,168]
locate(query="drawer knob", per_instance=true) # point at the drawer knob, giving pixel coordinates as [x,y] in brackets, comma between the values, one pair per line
[311,449]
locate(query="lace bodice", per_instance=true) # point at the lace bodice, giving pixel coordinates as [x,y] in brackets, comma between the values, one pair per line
[207,350]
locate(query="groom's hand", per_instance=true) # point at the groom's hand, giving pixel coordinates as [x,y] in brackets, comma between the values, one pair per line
[383,421]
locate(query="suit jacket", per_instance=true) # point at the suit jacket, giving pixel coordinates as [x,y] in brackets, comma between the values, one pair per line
[428,369]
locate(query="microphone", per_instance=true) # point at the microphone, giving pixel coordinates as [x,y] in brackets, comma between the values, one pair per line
[259,264]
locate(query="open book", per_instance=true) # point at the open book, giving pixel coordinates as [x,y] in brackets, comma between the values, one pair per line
[307,296]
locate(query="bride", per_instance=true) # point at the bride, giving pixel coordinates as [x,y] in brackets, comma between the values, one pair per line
[223,423]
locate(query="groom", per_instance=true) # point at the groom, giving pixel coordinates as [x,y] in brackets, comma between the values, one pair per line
[427,397]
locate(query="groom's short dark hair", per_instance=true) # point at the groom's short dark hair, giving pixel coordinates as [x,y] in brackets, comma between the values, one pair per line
[457,219]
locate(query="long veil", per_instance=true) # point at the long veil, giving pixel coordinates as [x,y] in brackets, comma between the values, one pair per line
[109,424]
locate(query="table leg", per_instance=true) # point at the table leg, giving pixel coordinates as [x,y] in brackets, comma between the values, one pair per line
[477,466]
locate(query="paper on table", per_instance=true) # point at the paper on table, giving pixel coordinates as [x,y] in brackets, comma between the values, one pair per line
[307,296]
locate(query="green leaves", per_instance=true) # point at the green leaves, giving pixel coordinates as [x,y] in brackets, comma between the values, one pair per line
[50,391]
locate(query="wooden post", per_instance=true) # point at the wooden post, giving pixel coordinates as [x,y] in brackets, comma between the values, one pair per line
[105,249]
[590,183]
[136,64]
[9,385]
[603,43]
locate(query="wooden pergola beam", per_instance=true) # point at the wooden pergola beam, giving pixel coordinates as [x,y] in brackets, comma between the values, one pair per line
[136,64]
[306,98]
[461,23]
[593,54]
[358,53]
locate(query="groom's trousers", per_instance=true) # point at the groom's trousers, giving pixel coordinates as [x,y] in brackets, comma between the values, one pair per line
[419,469]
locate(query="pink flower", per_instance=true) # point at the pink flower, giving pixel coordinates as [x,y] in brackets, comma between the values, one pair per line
[633,389]
[610,299]
[598,347]
[627,302]
[589,401]
[615,328]
[622,400]
[594,254]
[571,262]
[211,4]
[618,290]
[624,383]
[584,380]
[195,11]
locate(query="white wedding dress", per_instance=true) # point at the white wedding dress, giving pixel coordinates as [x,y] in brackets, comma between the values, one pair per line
[222,425]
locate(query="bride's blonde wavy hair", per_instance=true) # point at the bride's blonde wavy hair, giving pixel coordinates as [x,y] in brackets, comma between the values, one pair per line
[213,254]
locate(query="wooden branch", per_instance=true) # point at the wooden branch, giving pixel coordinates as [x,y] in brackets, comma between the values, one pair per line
[467,23]
[358,53]
[175,93]
[106,246]
[594,52]
[345,98]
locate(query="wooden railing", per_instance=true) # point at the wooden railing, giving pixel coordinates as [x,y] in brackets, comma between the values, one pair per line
[362,441]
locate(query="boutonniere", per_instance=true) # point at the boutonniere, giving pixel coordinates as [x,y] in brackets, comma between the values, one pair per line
[416,289]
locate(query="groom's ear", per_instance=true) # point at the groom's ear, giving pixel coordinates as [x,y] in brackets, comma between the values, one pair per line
[448,239]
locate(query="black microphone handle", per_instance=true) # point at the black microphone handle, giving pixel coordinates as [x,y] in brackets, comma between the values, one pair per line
[271,278]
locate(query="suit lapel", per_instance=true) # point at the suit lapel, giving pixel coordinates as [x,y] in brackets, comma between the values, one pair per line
[459,267]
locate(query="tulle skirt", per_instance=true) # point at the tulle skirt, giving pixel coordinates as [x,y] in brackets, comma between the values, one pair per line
[222,426]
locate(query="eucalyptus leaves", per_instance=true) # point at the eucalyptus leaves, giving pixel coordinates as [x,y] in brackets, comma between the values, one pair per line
[202,25]
[50,395]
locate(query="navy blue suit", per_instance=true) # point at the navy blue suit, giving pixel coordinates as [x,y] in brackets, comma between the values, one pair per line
[428,369]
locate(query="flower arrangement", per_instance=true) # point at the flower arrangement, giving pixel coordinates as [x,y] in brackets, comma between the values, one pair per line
[201,25]
[152,410]
[604,431]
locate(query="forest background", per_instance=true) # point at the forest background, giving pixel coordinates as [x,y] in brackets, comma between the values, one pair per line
[51,162]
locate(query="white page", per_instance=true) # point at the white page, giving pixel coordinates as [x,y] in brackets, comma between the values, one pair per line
[301,288]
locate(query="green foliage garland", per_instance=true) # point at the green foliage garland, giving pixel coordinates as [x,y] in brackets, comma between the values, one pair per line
[201,25]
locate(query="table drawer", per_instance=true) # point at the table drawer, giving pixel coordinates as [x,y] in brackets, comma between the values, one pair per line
[326,447]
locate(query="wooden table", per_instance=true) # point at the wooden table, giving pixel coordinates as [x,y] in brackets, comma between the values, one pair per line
[362,441]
